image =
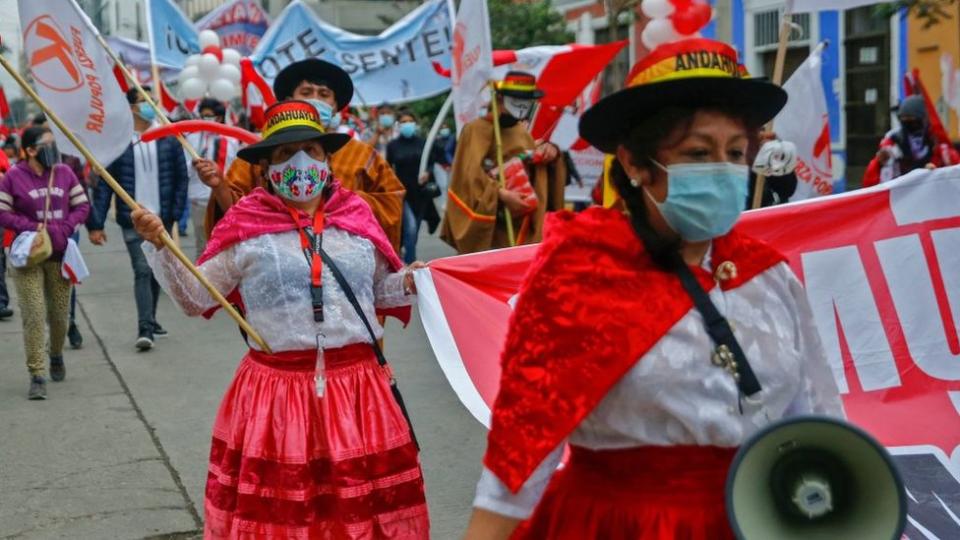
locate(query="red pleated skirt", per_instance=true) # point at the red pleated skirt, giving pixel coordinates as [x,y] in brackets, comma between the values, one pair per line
[645,493]
[285,463]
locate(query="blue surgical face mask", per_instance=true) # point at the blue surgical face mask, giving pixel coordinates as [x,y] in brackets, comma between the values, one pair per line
[703,200]
[445,132]
[387,120]
[145,111]
[328,117]
[408,129]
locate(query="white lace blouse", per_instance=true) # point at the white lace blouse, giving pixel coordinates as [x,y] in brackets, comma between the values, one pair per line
[675,396]
[274,280]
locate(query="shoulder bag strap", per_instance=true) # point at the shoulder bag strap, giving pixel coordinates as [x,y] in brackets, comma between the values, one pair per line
[381,359]
[46,203]
[728,348]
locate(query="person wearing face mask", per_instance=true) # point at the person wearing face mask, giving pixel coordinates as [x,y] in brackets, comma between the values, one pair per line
[310,440]
[403,154]
[37,194]
[155,175]
[909,147]
[218,149]
[475,217]
[652,407]
[358,166]
[386,127]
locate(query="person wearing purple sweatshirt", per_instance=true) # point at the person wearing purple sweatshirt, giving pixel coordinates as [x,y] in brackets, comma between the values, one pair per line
[42,293]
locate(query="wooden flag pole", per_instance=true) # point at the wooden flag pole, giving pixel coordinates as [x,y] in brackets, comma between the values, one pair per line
[786,28]
[146,95]
[495,110]
[126,198]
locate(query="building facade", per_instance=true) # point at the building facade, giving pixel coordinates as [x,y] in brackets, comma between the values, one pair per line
[358,16]
[863,66]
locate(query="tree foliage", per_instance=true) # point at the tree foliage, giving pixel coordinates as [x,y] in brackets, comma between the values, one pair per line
[929,11]
[515,25]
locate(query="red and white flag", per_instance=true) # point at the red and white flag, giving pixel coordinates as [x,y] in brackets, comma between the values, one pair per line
[74,77]
[563,72]
[879,266]
[472,57]
[255,94]
[804,121]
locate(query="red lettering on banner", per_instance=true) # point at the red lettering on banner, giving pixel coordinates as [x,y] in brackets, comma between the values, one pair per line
[47,42]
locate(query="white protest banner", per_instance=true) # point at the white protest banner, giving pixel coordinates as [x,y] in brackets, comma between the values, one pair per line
[75,77]
[472,59]
[804,122]
[394,66]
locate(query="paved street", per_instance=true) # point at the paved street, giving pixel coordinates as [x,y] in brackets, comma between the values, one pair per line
[119,450]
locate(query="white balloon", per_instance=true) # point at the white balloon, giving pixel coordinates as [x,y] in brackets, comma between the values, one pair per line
[189,72]
[223,89]
[208,38]
[192,88]
[657,9]
[209,67]
[230,72]
[192,60]
[658,32]
[232,56]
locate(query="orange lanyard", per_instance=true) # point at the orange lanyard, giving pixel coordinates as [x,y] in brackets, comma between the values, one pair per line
[311,244]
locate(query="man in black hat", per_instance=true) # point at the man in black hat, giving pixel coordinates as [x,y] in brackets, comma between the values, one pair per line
[357,165]
[475,214]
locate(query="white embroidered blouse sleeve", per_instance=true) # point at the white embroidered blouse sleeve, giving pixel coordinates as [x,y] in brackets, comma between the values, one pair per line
[183,287]
[494,496]
[388,286]
[818,394]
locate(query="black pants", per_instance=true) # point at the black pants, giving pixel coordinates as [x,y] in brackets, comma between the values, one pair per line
[4,295]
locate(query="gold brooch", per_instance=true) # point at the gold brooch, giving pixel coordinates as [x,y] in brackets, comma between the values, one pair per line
[726,271]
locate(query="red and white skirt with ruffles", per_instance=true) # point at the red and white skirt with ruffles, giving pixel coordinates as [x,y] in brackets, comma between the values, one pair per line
[644,493]
[287,464]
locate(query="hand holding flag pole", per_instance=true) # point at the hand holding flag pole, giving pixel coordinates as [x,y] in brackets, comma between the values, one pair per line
[126,198]
[786,28]
[146,95]
[495,110]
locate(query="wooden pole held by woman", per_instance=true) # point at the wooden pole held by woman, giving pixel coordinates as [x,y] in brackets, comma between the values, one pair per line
[495,110]
[128,200]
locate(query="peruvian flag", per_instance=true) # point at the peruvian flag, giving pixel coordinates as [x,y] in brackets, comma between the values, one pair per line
[879,266]
[255,94]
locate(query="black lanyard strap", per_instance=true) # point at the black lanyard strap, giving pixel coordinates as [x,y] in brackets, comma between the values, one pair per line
[381,359]
[728,352]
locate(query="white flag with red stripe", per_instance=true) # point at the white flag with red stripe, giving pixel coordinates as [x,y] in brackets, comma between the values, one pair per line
[804,121]
[472,57]
[74,77]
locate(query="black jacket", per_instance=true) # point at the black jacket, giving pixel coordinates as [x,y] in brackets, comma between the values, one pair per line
[171,174]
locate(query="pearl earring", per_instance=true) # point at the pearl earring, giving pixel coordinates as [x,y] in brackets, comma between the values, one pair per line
[634,182]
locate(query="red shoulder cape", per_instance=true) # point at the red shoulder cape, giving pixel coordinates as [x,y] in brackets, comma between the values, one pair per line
[592,304]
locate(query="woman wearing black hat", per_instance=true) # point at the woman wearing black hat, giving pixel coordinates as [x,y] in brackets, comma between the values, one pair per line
[311,440]
[607,351]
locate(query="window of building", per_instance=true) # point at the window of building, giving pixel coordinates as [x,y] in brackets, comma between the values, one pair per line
[766,38]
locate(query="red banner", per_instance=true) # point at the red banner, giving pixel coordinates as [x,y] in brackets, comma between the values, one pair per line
[882,271]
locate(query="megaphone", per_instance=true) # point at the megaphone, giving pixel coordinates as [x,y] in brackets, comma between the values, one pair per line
[811,478]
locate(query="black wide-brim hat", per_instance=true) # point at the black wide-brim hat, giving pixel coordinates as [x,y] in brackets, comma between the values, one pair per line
[519,84]
[316,71]
[692,73]
[288,122]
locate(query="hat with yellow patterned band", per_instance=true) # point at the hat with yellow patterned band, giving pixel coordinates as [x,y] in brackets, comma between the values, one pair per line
[288,122]
[692,73]
[519,84]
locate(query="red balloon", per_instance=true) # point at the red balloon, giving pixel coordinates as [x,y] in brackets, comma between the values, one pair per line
[680,5]
[191,126]
[214,50]
[692,19]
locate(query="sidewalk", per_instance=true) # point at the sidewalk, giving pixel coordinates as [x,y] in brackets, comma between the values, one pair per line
[119,449]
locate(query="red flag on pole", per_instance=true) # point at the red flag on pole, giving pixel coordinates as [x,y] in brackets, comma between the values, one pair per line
[4,106]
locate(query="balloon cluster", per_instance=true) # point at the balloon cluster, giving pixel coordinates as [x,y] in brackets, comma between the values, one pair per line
[672,20]
[214,72]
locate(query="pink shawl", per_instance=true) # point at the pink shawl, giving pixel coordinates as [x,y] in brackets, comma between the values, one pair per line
[261,212]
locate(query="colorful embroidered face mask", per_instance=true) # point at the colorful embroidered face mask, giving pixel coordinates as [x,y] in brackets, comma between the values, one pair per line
[300,178]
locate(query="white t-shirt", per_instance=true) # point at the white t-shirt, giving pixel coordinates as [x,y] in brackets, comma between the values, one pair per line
[203,143]
[146,174]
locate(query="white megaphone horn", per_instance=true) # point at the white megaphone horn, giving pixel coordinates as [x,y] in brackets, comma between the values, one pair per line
[813,478]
